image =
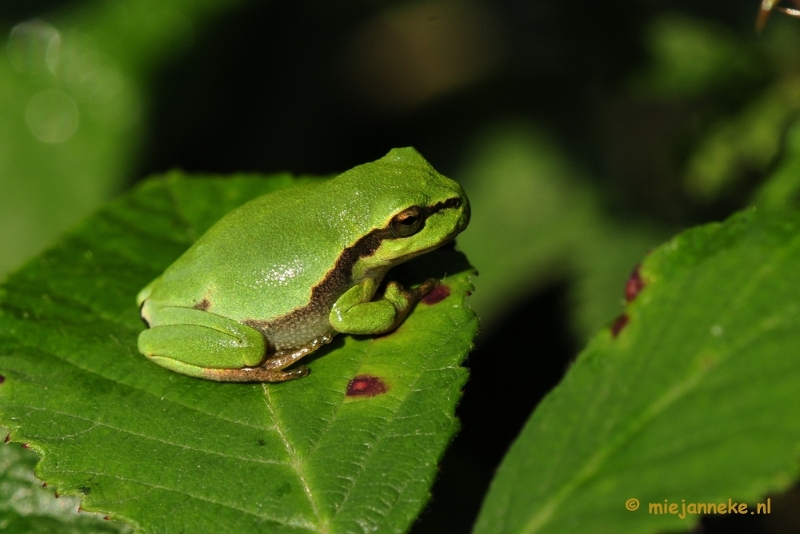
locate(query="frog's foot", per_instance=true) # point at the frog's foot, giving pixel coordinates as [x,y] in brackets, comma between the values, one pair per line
[424,288]
[271,370]
[254,374]
[404,299]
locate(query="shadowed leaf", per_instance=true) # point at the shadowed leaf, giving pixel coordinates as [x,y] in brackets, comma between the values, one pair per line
[695,398]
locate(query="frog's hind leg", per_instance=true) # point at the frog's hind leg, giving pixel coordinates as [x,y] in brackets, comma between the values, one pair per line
[271,370]
[189,341]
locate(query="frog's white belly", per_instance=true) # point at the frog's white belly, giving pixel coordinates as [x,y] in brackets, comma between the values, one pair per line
[296,329]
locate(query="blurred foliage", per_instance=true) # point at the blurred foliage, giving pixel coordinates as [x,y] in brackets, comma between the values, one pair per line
[537,220]
[74,101]
[584,133]
[782,190]
[749,88]
[28,507]
[747,142]
[692,58]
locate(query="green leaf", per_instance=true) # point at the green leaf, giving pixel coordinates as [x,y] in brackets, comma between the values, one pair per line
[26,506]
[169,453]
[695,399]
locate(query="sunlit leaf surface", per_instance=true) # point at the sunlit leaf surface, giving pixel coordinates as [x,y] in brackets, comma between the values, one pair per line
[169,453]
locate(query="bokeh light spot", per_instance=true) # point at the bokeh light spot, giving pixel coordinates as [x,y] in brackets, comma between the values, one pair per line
[52,116]
[34,46]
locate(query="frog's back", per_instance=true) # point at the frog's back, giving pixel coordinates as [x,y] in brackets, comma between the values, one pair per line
[259,261]
[263,260]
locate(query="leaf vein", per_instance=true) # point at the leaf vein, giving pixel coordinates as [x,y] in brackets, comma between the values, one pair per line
[293,522]
[145,436]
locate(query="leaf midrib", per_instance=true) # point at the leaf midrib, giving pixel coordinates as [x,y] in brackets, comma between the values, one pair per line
[150,484]
[296,462]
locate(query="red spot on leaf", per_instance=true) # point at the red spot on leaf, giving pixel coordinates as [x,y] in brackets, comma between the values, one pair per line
[57,495]
[25,446]
[437,294]
[44,484]
[8,437]
[634,284]
[106,518]
[366,386]
[2,379]
[620,323]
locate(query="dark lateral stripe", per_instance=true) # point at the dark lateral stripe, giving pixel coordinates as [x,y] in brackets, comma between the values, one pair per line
[340,275]
[367,245]
[363,248]
[447,204]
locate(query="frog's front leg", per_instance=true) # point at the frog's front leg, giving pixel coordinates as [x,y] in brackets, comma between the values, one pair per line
[356,313]
[205,345]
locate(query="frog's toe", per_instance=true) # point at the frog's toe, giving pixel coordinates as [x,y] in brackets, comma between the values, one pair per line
[255,374]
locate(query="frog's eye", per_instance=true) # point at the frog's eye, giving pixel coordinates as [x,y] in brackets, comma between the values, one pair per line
[407,222]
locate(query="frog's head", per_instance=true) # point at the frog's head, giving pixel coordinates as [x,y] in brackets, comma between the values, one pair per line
[407,207]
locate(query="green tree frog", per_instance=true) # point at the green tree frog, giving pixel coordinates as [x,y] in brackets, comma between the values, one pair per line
[278,277]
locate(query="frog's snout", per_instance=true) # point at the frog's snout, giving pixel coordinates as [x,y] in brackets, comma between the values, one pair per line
[466,213]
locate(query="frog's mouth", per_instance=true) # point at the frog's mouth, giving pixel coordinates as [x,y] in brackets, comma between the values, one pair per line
[422,251]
